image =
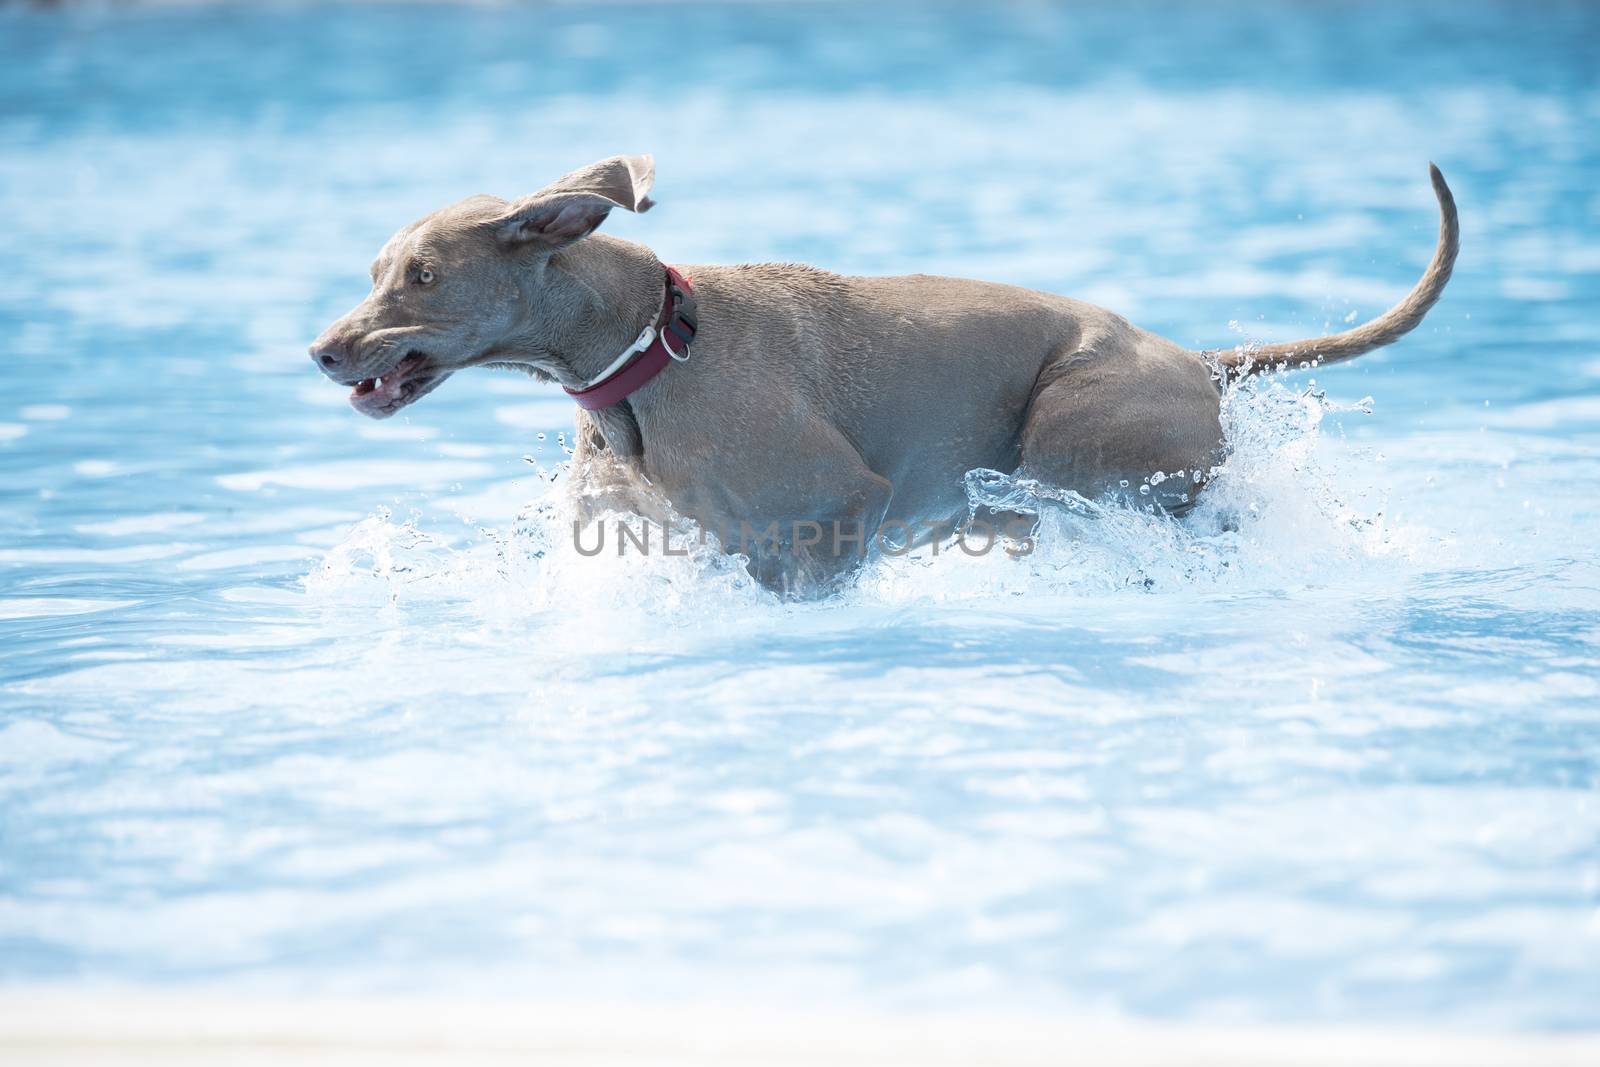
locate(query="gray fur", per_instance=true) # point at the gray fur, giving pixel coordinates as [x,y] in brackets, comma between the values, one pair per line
[808,396]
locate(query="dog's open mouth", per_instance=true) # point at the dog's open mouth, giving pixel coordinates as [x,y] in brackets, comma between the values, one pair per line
[412,378]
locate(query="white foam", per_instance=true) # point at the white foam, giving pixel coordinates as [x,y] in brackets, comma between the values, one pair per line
[40,607]
[355,474]
[130,525]
[44,412]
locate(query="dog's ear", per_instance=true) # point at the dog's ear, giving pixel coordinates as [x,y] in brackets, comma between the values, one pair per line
[572,207]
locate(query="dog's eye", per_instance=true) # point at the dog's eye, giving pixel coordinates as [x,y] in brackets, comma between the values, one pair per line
[425,276]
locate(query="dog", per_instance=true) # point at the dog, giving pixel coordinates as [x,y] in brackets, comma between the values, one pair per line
[785,399]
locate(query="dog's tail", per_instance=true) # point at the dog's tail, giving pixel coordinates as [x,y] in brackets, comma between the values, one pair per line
[1385,329]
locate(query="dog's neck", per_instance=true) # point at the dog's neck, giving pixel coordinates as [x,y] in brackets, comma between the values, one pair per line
[592,300]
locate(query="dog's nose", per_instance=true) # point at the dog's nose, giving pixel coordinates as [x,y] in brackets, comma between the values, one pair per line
[331,356]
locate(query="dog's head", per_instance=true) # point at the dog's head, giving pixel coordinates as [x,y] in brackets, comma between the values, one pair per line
[449,290]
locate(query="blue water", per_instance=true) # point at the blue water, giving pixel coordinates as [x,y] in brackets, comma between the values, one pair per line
[295,701]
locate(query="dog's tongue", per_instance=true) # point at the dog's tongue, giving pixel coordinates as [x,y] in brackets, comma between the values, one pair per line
[376,396]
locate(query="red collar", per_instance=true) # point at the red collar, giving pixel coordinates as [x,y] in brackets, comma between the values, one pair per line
[650,354]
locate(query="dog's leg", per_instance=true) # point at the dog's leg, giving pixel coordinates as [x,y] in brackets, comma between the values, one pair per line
[1102,426]
[794,495]
[816,553]
[599,481]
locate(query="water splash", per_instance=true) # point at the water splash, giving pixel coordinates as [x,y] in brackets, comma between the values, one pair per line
[1287,507]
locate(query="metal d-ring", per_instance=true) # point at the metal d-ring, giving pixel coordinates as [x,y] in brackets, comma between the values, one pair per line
[662,337]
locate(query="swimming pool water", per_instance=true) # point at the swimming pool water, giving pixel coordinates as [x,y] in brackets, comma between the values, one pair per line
[291,700]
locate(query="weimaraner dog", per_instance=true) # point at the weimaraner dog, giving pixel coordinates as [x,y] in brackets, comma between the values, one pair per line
[748,396]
